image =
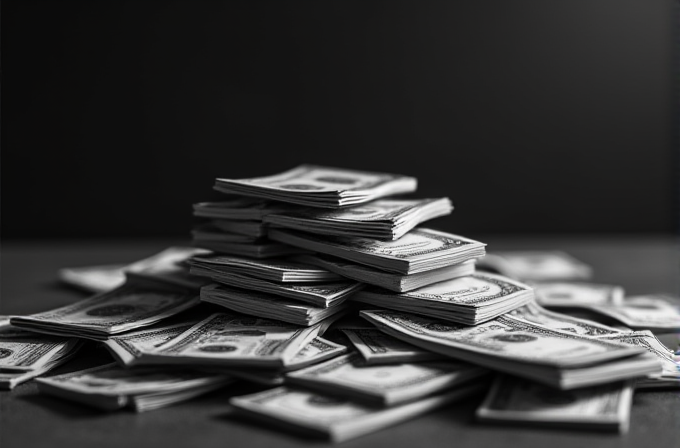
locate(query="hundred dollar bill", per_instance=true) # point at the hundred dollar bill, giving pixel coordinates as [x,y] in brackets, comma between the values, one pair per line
[123,309]
[107,277]
[337,418]
[468,300]
[514,400]
[110,387]
[250,229]
[533,312]
[577,294]
[659,313]
[552,357]
[419,250]
[280,270]
[388,280]
[319,186]
[11,378]
[234,340]
[240,208]
[536,265]
[385,219]
[319,294]
[269,306]
[386,385]
[129,348]
[377,347]
[318,350]
[33,352]
[669,377]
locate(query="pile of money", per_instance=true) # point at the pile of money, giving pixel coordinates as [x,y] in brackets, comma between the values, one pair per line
[331,297]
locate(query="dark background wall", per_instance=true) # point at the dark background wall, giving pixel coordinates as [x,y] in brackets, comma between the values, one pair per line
[532,116]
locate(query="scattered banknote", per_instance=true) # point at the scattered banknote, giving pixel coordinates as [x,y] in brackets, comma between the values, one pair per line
[239,208]
[388,280]
[280,270]
[577,294]
[468,300]
[319,294]
[129,348]
[25,355]
[111,387]
[514,401]
[534,313]
[386,385]
[319,186]
[378,348]
[419,250]
[556,358]
[125,308]
[337,418]
[269,306]
[669,377]
[250,229]
[230,340]
[658,313]
[536,265]
[385,219]
[317,350]
[107,277]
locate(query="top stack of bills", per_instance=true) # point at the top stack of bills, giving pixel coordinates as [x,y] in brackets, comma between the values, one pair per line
[318,186]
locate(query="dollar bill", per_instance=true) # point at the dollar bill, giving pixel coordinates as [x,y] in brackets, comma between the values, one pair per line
[107,277]
[337,418]
[419,250]
[669,377]
[129,348]
[34,352]
[12,378]
[533,312]
[386,385]
[125,308]
[234,340]
[319,186]
[281,270]
[536,265]
[577,294]
[110,387]
[469,300]
[318,350]
[378,348]
[518,401]
[388,280]
[239,208]
[269,306]
[556,358]
[319,294]
[659,313]
[384,219]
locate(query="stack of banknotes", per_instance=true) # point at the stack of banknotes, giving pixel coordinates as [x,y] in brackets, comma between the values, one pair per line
[323,289]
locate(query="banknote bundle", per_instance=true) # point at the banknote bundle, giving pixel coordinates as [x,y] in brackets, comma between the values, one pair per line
[318,186]
[560,359]
[659,313]
[536,265]
[25,355]
[469,300]
[166,265]
[125,308]
[513,400]
[110,387]
[384,219]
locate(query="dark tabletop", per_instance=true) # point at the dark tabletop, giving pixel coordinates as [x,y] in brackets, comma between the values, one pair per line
[27,418]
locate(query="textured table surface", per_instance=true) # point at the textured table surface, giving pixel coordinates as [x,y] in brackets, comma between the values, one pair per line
[29,285]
